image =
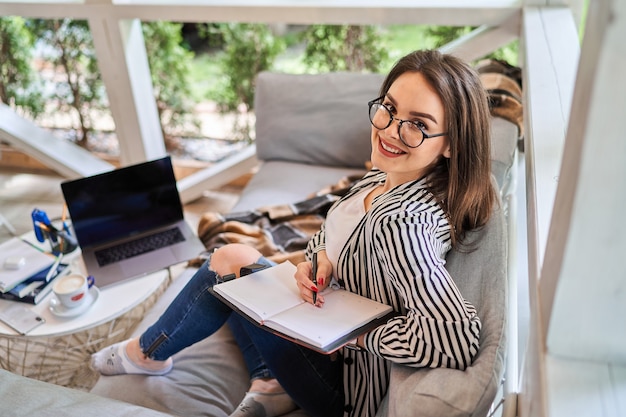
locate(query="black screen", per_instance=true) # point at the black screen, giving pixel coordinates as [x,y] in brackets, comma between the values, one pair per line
[123,202]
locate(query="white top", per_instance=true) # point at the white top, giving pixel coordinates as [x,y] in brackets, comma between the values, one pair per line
[342,221]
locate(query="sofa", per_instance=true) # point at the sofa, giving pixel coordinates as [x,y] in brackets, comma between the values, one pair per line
[311,131]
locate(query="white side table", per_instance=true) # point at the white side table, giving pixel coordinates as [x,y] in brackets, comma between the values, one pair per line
[59,350]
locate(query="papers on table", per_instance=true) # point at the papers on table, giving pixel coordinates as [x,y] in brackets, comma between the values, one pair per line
[18,261]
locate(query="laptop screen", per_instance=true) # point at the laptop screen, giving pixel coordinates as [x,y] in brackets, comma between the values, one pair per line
[123,202]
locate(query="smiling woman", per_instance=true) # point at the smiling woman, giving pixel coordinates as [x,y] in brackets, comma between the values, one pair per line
[400,149]
[407,205]
[443,101]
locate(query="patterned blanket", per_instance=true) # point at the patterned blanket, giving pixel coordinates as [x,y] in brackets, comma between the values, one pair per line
[279,232]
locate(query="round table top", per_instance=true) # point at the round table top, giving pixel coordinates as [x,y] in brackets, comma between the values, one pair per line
[111,302]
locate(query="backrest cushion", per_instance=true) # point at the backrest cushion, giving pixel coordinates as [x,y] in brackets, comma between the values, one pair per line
[316,119]
[481,278]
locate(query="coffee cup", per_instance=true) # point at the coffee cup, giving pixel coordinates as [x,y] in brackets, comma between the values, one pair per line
[71,290]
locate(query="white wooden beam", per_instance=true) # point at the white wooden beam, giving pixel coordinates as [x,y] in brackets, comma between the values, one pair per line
[432,12]
[123,64]
[585,291]
[484,39]
[549,56]
[221,173]
[66,158]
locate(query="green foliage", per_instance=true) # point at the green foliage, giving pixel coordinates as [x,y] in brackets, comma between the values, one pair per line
[446,34]
[170,69]
[249,49]
[212,34]
[18,87]
[205,73]
[343,48]
[69,47]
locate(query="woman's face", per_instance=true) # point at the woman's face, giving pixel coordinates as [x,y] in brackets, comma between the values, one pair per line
[410,97]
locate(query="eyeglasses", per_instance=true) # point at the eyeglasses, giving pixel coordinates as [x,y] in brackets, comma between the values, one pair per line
[410,132]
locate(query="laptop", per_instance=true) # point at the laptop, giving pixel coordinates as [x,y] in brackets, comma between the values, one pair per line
[129,222]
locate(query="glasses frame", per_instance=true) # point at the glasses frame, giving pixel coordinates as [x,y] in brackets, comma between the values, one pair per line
[425,135]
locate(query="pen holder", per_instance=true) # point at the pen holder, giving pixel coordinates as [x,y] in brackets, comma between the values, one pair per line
[60,239]
[61,242]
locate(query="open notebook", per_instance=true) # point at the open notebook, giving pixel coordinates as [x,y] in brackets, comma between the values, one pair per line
[270,298]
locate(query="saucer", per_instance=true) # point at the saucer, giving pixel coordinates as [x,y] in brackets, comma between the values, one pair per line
[60,310]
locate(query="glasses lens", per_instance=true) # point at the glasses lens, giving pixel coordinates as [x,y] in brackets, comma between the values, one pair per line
[380,116]
[411,135]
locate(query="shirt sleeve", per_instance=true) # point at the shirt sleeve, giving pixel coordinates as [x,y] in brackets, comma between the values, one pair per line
[317,242]
[439,327]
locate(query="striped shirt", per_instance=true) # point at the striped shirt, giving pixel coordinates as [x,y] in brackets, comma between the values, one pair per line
[396,255]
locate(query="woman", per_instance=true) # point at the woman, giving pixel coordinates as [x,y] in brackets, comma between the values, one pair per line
[385,239]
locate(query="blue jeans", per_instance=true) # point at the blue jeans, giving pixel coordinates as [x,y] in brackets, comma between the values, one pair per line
[313,380]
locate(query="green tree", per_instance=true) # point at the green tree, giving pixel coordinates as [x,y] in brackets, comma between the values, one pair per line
[18,86]
[343,48]
[69,48]
[249,49]
[170,66]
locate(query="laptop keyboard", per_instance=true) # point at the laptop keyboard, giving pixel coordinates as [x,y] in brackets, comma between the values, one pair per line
[138,247]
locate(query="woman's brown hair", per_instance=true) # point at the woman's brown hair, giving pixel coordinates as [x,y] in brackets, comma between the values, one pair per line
[461,184]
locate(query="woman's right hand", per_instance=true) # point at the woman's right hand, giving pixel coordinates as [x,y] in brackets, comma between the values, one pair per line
[304,278]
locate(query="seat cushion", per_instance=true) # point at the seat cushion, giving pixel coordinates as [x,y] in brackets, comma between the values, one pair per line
[283,182]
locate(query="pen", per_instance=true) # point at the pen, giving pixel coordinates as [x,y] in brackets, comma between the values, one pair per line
[64,225]
[34,246]
[53,268]
[315,277]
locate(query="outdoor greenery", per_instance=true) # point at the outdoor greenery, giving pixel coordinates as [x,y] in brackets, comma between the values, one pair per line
[17,79]
[170,68]
[248,50]
[220,67]
[343,48]
[79,88]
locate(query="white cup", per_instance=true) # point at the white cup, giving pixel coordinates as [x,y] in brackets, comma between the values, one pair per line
[71,290]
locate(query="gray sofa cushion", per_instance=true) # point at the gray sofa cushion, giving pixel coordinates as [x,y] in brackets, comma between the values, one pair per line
[28,397]
[303,118]
[481,278]
[503,152]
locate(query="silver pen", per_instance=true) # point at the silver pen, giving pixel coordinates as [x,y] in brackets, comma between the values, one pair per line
[53,269]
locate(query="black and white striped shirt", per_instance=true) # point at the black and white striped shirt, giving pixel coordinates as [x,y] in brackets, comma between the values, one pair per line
[396,255]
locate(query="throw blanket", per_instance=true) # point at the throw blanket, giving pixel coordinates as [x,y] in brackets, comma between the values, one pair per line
[279,232]
[503,84]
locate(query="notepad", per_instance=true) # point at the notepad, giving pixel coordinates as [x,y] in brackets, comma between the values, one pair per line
[270,298]
[34,261]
